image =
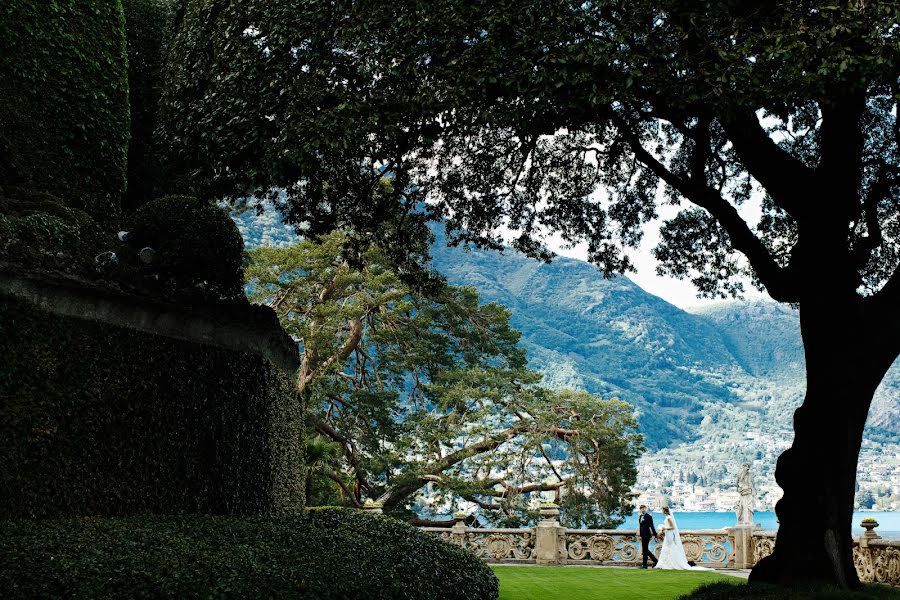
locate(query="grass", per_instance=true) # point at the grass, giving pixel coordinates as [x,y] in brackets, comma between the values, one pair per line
[580,583]
[718,591]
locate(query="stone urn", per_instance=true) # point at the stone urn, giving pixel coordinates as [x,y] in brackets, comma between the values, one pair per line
[869,525]
[549,510]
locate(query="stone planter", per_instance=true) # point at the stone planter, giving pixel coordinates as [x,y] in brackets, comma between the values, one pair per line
[549,511]
[870,526]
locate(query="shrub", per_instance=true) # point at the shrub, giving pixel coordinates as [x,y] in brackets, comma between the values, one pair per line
[323,554]
[64,110]
[147,28]
[39,230]
[102,420]
[198,248]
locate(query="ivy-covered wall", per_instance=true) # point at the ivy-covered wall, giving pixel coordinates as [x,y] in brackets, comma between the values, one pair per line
[148,25]
[64,114]
[102,420]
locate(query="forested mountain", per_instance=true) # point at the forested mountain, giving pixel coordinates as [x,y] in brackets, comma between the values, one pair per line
[735,366]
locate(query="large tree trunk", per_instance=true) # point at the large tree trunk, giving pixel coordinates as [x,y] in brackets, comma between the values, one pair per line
[844,365]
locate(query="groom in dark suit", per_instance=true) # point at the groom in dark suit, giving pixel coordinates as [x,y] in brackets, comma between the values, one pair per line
[645,525]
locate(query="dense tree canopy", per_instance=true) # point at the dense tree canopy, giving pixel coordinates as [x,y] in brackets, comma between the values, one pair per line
[582,118]
[419,390]
[516,113]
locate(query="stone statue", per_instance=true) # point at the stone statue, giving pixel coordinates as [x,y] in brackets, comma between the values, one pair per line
[745,487]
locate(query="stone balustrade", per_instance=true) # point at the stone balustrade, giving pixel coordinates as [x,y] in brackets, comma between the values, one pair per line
[491,545]
[877,560]
[549,543]
[606,546]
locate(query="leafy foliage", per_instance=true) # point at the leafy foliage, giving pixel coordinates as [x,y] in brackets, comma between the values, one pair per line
[38,231]
[148,27]
[322,554]
[432,389]
[103,420]
[64,115]
[515,113]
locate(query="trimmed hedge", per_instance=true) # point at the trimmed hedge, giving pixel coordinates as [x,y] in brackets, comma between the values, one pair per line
[148,25]
[64,101]
[323,554]
[198,248]
[103,420]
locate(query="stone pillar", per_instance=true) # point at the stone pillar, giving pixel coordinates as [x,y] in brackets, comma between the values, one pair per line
[864,555]
[458,533]
[546,537]
[742,550]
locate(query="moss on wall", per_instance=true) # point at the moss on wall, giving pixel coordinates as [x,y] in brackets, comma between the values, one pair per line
[64,115]
[103,420]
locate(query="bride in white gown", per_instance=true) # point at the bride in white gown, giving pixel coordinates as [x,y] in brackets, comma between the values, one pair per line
[672,554]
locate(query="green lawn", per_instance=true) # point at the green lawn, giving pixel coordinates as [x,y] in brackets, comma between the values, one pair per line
[580,583]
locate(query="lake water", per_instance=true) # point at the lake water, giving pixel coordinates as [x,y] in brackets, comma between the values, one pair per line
[888,522]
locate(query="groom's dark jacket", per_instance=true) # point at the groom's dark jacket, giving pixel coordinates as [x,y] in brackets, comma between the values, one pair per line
[645,523]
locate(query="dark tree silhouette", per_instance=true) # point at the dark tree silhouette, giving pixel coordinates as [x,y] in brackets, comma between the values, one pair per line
[502,112]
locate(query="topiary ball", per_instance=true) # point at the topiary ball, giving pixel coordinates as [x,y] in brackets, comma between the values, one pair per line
[197,248]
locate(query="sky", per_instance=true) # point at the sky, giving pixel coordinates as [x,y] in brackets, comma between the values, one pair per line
[681,293]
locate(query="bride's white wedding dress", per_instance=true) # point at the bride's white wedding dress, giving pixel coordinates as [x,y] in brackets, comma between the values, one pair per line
[672,554]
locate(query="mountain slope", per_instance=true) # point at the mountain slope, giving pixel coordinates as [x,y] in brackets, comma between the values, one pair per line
[733,366]
[605,336]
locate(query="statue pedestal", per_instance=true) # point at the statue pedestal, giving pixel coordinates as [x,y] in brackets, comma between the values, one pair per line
[742,549]
[547,534]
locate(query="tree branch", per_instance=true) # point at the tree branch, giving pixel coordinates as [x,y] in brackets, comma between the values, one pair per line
[785,178]
[881,189]
[550,463]
[770,273]
[481,447]
[349,345]
[481,503]
[394,496]
[330,432]
[532,487]
[338,480]
[840,150]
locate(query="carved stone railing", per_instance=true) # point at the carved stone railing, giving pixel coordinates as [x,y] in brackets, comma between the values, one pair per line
[763,544]
[709,548]
[876,560]
[491,545]
[586,546]
[600,546]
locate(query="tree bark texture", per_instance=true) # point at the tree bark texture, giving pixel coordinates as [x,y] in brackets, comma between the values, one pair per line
[845,362]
